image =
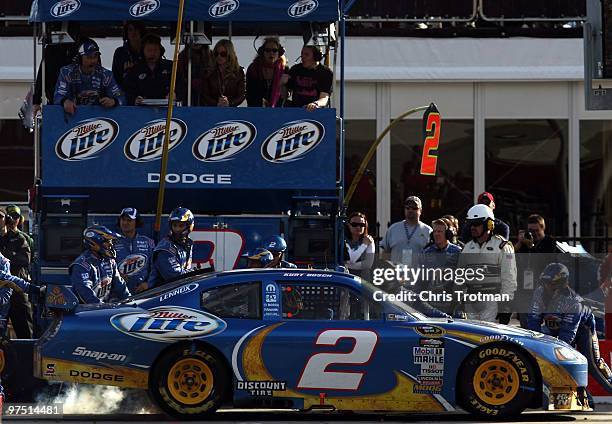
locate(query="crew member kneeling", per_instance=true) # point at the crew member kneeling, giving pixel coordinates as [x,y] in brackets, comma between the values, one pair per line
[94,274]
[172,256]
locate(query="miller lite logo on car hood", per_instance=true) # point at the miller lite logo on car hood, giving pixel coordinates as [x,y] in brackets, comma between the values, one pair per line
[302,8]
[146,144]
[293,141]
[64,8]
[223,8]
[168,324]
[144,8]
[224,141]
[132,264]
[86,139]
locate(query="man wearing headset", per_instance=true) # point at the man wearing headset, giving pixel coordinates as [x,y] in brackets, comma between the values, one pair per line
[172,255]
[87,82]
[149,79]
[134,251]
[491,256]
[310,82]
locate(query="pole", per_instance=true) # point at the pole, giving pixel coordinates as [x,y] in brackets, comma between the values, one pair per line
[372,150]
[164,161]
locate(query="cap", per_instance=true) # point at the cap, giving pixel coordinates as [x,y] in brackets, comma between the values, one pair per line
[413,200]
[13,210]
[486,198]
[131,213]
[89,47]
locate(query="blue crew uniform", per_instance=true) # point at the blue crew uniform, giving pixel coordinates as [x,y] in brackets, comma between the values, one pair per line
[96,279]
[8,283]
[170,259]
[566,318]
[86,89]
[434,258]
[134,259]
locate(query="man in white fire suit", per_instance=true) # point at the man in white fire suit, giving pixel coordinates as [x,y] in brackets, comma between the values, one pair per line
[492,258]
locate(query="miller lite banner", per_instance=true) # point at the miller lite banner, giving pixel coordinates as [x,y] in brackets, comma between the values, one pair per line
[196,10]
[242,148]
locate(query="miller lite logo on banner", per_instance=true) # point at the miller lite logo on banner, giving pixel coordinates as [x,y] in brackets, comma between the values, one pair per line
[224,141]
[144,8]
[64,8]
[292,141]
[132,264]
[223,8]
[86,139]
[302,8]
[147,143]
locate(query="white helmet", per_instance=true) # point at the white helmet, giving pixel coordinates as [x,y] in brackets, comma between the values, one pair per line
[480,213]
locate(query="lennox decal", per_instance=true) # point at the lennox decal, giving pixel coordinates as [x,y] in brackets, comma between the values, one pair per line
[144,8]
[64,8]
[168,324]
[224,141]
[223,8]
[132,264]
[302,8]
[146,144]
[86,139]
[293,141]
[181,290]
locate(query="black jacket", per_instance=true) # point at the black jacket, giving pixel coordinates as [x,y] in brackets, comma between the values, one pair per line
[141,81]
[15,247]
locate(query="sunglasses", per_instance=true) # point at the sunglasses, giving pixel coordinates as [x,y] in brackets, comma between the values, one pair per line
[476,224]
[271,50]
[357,224]
[222,54]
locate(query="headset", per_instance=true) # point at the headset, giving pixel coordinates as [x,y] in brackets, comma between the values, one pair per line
[317,54]
[490,224]
[448,233]
[281,49]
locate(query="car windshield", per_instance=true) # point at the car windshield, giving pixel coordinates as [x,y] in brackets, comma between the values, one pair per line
[370,289]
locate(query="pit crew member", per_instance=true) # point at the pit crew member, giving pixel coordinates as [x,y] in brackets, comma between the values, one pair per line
[134,251]
[172,255]
[8,283]
[278,246]
[94,274]
[564,316]
[259,258]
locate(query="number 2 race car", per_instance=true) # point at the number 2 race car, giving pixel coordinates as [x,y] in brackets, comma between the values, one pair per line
[303,339]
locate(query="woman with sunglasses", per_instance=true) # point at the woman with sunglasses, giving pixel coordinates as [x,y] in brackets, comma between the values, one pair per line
[359,245]
[267,76]
[224,84]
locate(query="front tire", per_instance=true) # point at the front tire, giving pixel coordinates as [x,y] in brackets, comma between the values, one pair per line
[188,383]
[497,381]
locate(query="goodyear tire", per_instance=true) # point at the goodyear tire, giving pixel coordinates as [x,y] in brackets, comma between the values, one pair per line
[496,381]
[189,383]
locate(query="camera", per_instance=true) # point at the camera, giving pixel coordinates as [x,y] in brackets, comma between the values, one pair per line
[528,235]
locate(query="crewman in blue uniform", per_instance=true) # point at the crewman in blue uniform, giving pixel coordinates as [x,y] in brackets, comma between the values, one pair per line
[134,251]
[94,274]
[259,258]
[277,246]
[8,283]
[564,316]
[172,256]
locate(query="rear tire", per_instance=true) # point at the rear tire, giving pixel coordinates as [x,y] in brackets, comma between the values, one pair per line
[188,383]
[496,381]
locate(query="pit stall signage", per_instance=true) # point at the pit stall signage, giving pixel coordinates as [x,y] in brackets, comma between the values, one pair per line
[213,148]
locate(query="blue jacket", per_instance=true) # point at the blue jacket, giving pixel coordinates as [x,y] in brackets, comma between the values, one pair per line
[8,283]
[562,315]
[97,280]
[134,259]
[86,89]
[170,259]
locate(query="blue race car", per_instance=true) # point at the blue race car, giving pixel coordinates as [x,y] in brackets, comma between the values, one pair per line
[304,339]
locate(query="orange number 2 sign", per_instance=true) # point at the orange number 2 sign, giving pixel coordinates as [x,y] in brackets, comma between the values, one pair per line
[432,121]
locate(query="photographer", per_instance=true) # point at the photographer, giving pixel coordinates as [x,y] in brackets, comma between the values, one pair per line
[534,240]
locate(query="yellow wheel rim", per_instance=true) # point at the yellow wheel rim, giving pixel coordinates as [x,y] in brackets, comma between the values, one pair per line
[190,381]
[496,382]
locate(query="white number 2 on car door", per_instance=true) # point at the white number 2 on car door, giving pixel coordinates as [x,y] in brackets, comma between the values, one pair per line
[315,374]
